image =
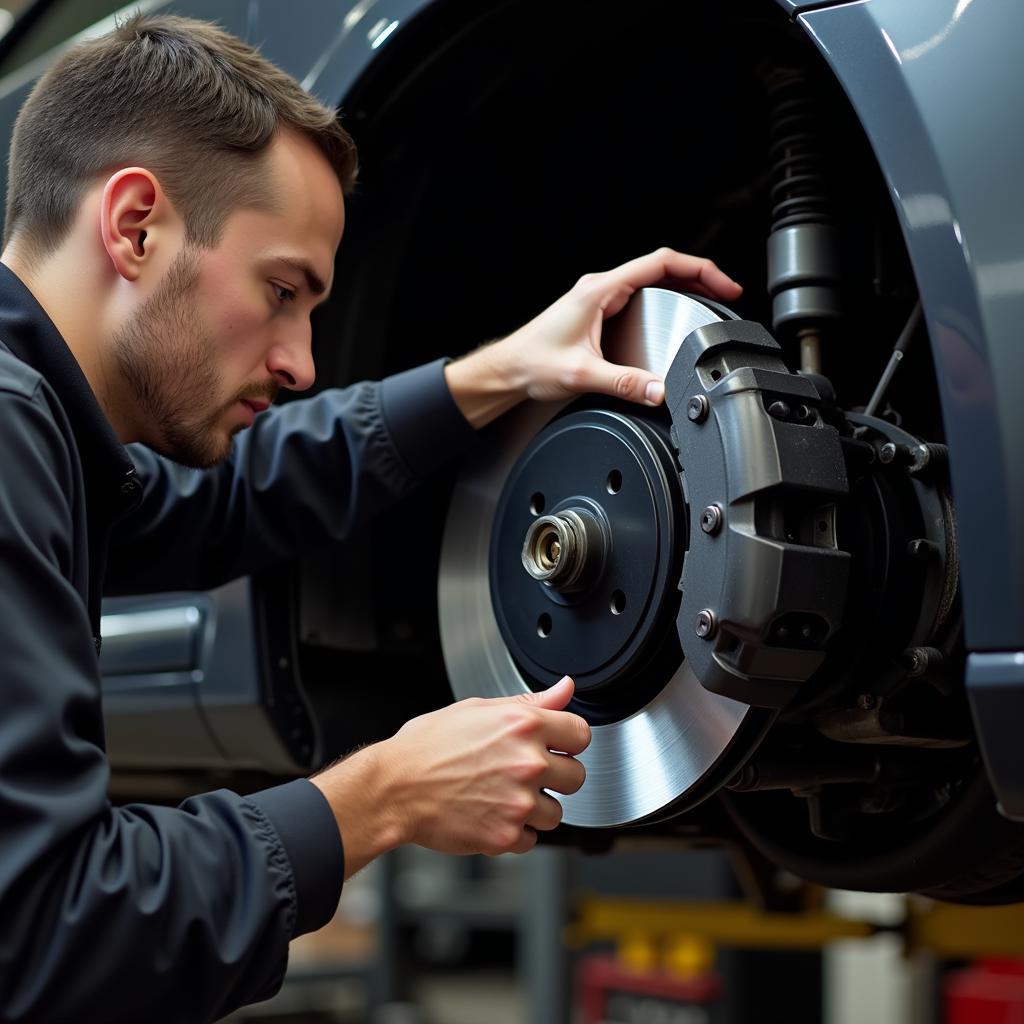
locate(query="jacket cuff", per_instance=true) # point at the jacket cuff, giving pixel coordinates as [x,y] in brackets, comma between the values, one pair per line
[426,426]
[306,827]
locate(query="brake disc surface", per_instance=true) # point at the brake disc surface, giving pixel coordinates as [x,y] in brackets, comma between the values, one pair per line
[659,745]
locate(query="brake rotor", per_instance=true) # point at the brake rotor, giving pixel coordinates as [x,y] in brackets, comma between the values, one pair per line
[562,555]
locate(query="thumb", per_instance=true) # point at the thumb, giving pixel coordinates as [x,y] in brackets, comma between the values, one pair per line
[554,698]
[628,382]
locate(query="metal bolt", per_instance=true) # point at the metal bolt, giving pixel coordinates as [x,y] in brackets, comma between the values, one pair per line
[920,661]
[867,701]
[803,412]
[779,409]
[706,625]
[697,408]
[916,660]
[928,458]
[895,454]
[711,519]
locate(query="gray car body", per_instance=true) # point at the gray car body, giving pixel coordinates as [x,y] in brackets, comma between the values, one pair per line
[936,84]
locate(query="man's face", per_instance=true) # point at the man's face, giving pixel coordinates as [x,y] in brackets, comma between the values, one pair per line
[229,326]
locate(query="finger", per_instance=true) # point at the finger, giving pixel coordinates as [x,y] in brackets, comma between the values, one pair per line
[564,775]
[554,698]
[527,841]
[709,277]
[688,288]
[547,814]
[697,272]
[655,267]
[564,732]
[626,382]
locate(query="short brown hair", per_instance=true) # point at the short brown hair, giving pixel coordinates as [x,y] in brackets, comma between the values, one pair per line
[183,98]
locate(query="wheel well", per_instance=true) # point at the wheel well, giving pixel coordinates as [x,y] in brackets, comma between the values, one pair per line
[500,161]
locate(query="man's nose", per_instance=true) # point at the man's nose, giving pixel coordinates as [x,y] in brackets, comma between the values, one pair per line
[290,362]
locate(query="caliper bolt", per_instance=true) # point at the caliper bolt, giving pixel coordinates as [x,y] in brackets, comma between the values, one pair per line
[925,661]
[706,625]
[867,701]
[697,408]
[779,409]
[895,454]
[711,519]
[929,457]
[916,660]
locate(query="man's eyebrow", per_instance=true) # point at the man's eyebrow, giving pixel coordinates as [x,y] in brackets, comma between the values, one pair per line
[313,281]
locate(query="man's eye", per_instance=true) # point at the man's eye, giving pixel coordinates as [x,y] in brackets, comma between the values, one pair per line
[283,294]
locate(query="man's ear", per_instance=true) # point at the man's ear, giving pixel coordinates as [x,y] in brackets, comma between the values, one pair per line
[132,205]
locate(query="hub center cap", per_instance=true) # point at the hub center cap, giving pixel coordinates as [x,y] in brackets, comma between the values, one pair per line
[565,551]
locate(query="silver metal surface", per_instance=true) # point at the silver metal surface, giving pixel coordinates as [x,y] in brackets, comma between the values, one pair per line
[636,767]
[711,519]
[557,548]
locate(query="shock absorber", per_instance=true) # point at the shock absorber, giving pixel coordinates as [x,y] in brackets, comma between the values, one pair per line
[803,247]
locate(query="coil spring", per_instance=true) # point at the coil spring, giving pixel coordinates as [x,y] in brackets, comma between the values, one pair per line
[799,192]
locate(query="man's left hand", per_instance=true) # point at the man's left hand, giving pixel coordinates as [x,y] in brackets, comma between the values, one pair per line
[558,354]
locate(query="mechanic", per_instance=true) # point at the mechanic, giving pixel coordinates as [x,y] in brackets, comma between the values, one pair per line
[174,206]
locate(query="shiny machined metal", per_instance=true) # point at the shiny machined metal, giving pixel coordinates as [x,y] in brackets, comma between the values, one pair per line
[705,625]
[711,519]
[697,408]
[556,549]
[669,752]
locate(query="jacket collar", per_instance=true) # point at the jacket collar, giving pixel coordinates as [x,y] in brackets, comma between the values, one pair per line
[27,330]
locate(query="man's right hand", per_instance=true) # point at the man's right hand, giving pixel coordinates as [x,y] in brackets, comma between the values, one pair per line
[466,779]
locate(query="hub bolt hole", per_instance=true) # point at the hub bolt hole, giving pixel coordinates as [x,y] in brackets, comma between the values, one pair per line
[618,602]
[614,483]
[537,504]
[544,625]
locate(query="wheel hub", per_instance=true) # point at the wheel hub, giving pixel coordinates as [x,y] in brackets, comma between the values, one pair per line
[583,557]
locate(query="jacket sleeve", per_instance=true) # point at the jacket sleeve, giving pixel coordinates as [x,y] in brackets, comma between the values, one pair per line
[303,475]
[133,913]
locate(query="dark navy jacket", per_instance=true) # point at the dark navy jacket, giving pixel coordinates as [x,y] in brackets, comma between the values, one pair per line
[143,913]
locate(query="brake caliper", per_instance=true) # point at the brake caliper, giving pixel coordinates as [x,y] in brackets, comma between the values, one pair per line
[763,584]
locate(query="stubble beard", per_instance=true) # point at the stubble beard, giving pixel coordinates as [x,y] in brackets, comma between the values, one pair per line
[167,360]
